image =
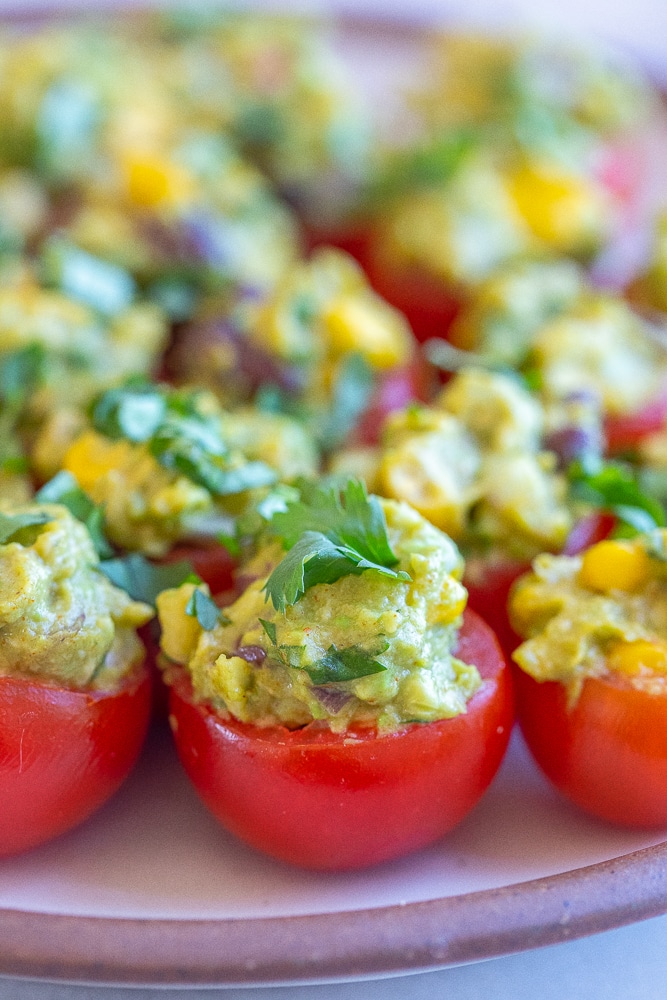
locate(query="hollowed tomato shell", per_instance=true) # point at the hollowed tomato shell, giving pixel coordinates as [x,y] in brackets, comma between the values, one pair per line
[63,753]
[340,801]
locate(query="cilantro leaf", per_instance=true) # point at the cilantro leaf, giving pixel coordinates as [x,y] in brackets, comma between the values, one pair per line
[179,435]
[270,630]
[13,526]
[430,165]
[329,533]
[65,490]
[205,610]
[347,664]
[351,394]
[133,411]
[21,372]
[193,449]
[144,580]
[613,486]
[347,515]
[105,287]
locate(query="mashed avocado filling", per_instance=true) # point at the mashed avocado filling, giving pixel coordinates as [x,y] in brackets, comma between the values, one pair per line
[372,648]
[61,620]
[598,614]
[474,465]
[170,464]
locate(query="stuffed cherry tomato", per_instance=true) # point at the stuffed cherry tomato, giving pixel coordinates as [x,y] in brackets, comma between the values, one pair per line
[353,720]
[74,692]
[592,684]
[345,800]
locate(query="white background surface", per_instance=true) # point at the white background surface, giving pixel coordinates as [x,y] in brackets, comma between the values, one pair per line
[626,963]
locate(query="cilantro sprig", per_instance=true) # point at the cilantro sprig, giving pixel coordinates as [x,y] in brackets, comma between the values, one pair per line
[613,486]
[22,372]
[142,579]
[330,532]
[179,435]
[336,665]
[65,490]
[205,610]
[22,528]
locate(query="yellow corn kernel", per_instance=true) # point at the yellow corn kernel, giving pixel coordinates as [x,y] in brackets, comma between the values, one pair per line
[638,658]
[151,181]
[362,324]
[452,603]
[180,631]
[92,456]
[614,565]
[562,209]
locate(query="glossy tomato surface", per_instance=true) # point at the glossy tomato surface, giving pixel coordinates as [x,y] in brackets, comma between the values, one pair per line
[63,753]
[213,563]
[607,753]
[327,801]
[625,431]
[489,584]
[429,304]
[395,390]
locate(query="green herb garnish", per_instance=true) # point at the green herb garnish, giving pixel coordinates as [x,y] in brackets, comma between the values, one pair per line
[329,533]
[351,394]
[14,527]
[181,437]
[105,287]
[144,580]
[65,490]
[205,610]
[613,486]
[430,165]
[347,664]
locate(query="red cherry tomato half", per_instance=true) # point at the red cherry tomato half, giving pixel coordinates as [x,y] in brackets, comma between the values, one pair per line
[213,563]
[608,753]
[338,801]
[353,238]
[64,753]
[395,390]
[489,584]
[625,431]
[429,305]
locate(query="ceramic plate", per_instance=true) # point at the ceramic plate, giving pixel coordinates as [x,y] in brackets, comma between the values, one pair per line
[152,891]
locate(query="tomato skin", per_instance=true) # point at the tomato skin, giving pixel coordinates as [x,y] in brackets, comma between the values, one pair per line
[625,431]
[395,390]
[317,800]
[63,753]
[489,585]
[608,754]
[213,563]
[429,305]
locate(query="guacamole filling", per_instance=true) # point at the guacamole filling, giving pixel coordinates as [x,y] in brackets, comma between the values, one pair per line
[474,466]
[600,614]
[61,620]
[165,464]
[372,648]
